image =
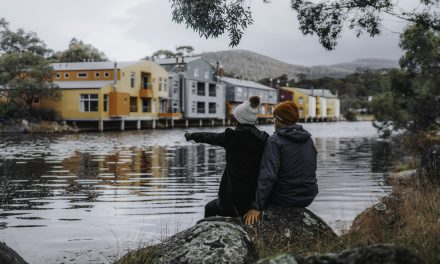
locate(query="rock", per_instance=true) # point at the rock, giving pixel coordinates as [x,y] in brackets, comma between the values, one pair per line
[389,254]
[280,225]
[212,240]
[9,256]
[402,177]
[377,218]
[430,166]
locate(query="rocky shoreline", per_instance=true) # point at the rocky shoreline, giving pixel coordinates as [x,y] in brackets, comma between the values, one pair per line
[41,127]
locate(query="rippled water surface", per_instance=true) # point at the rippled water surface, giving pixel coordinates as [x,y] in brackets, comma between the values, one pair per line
[89,197]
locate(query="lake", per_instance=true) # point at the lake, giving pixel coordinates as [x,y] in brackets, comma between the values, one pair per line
[88,197]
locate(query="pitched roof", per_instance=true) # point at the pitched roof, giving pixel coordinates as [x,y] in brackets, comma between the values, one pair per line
[82,84]
[245,83]
[97,65]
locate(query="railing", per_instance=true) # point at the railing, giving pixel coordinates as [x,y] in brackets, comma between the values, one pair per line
[146,93]
[170,115]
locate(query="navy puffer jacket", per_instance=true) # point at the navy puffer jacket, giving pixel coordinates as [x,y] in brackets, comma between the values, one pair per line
[288,169]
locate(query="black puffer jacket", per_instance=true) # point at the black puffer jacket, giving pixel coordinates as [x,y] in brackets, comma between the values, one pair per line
[288,169]
[244,147]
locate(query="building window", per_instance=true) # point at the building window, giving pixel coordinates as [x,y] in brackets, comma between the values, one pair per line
[196,72]
[105,103]
[206,74]
[300,101]
[133,104]
[160,83]
[212,108]
[165,84]
[57,76]
[193,88]
[145,82]
[66,76]
[36,100]
[82,75]
[106,74]
[132,75]
[193,107]
[146,105]
[88,103]
[201,89]
[97,74]
[212,90]
[200,107]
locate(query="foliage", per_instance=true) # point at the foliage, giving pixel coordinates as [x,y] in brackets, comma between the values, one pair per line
[163,54]
[25,74]
[413,101]
[326,19]
[78,51]
[212,18]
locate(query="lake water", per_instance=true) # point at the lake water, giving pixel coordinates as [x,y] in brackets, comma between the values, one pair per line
[89,197]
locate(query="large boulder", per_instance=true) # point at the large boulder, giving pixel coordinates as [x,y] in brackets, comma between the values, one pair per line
[9,256]
[402,177]
[213,240]
[389,254]
[281,226]
[378,218]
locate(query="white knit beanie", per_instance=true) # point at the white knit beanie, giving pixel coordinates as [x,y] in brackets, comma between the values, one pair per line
[246,113]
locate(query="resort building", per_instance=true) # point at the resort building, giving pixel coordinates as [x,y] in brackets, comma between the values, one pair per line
[238,91]
[112,93]
[313,104]
[195,90]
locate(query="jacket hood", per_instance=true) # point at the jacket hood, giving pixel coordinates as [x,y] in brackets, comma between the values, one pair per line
[294,133]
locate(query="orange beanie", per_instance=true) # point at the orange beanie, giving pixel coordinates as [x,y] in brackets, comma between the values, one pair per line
[287,112]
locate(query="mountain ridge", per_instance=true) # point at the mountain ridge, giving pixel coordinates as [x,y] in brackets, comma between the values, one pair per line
[254,66]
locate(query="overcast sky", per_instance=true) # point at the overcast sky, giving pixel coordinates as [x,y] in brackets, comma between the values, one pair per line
[132,29]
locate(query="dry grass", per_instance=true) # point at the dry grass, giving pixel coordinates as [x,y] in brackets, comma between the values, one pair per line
[413,222]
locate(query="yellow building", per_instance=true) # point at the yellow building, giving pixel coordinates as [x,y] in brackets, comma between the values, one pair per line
[108,91]
[306,103]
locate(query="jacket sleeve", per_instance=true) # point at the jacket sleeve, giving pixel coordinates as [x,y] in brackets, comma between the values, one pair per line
[270,163]
[217,139]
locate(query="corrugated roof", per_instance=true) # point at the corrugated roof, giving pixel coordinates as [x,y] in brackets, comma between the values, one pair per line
[173,60]
[82,84]
[97,65]
[245,83]
[317,92]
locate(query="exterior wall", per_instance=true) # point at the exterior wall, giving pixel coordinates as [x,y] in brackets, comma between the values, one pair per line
[73,75]
[311,107]
[336,108]
[192,99]
[323,107]
[330,108]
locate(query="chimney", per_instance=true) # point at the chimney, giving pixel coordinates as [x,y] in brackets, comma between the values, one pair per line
[177,60]
[217,68]
[183,60]
[115,78]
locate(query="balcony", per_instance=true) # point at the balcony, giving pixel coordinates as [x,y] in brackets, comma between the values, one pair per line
[174,116]
[146,93]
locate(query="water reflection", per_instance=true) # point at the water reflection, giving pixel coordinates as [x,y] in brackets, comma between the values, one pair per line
[104,192]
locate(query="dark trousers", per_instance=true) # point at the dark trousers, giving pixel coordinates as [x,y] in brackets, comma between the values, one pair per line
[215,208]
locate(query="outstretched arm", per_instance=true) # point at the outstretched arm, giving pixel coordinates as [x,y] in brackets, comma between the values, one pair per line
[217,139]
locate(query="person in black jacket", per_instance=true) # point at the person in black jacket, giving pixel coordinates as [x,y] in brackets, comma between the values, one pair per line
[288,166]
[244,146]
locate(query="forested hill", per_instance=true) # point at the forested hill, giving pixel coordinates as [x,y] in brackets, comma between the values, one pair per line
[254,66]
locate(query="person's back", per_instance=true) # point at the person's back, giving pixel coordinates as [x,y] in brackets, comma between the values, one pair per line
[295,184]
[244,147]
[288,165]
